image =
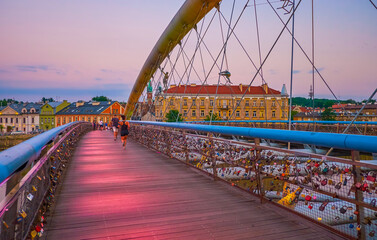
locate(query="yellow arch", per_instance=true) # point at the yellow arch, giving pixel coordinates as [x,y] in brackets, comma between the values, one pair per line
[191,12]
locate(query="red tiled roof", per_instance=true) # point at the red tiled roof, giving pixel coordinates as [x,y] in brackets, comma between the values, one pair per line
[211,89]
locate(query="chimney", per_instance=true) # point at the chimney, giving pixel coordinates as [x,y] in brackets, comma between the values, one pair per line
[193,85]
[80,103]
[265,87]
[240,87]
[172,86]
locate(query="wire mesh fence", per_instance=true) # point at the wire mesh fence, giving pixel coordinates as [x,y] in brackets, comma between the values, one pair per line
[334,192]
[25,207]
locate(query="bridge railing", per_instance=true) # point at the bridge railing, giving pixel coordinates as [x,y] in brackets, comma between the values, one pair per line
[357,127]
[31,172]
[335,192]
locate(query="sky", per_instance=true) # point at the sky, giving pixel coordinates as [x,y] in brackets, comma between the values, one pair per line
[75,50]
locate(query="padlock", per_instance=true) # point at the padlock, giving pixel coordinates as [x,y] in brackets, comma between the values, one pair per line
[371,234]
[30,197]
[356,212]
[324,182]
[338,185]
[373,203]
[5,224]
[351,226]
[343,209]
[323,205]
[23,214]
[310,206]
[333,207]
[367,221]
[308,198]
[358,228]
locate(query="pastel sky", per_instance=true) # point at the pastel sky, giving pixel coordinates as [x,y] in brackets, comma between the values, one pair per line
[79,49]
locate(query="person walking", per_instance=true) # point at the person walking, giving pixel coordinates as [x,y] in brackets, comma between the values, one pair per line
[115,124]
[100,124]
[124,130]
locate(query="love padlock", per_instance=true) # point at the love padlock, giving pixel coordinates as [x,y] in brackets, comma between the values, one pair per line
[343,210]
[310,206]
[371,234]
[308,198]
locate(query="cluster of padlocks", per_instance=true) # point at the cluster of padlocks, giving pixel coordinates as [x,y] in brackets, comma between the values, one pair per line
[28,211]
[336,192]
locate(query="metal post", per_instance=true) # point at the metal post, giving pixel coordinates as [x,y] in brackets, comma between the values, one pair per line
[185,146]
[358,194]
[257,170]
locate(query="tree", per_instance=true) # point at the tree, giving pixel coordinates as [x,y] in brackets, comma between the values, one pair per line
[1,128]
[46,100]
[101,99]
[173,116]
[293,114]
[9,128]
[215,117]
[328,115]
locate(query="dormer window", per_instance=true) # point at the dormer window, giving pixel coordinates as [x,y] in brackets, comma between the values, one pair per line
[24,110]
[32,110]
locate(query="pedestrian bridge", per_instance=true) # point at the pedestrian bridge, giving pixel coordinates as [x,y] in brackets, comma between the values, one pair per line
[187,181]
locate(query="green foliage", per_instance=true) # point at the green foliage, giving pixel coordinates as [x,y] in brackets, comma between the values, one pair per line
[1,128]
[328,115]
[293,114]
[5,102]
[47,99]
[318,102]
[101,99]
[9,128]
[173,116]
[215,117]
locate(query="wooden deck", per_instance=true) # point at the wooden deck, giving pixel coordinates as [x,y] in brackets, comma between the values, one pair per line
[109,193]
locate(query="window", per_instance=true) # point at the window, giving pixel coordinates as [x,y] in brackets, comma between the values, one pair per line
[246,113]
[211,102]
[16,120]
[1,120]
[82,118]
[89,119]
[11,120]
[24,120]
[193,113]
[70,119]
[32,120]
[238,102]
[171,101]
[261,103]
[254,103]
[229,113]
[273,103]
[185,102]
[193,102]
[202,113]
[24,129]
[58,120]
[185,113]
[273,114]
[237,113]
[254,113]
[63,120]
[247,103]
[77,118]
[283,103]
[32,129]
[202,102]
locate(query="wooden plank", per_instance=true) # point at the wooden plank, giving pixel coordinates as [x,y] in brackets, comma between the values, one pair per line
[138,193]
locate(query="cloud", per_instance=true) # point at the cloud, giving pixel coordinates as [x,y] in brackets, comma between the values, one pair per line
[38,68]
[296,71]
[319,70]
[98,79]
[272,71]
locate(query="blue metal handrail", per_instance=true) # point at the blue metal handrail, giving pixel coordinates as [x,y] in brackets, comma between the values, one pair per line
[20,155]
[335,140]
[286,121]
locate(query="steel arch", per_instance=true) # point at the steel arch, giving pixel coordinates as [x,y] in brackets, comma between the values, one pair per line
[191,12]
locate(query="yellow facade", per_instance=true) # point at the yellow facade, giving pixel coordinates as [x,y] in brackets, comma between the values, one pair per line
[197,107]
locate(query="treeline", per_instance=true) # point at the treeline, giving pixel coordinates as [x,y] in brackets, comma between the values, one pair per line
[319,102]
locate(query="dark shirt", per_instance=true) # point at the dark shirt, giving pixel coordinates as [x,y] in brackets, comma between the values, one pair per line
[115,122]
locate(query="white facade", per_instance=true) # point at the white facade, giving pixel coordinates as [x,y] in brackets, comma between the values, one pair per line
[20,117]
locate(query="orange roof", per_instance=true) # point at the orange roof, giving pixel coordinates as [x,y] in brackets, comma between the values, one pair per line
[211,89]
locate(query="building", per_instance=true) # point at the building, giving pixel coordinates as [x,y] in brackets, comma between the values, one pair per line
[196,102]
[22,117]
[369,113]
[47,115]
[89,111]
